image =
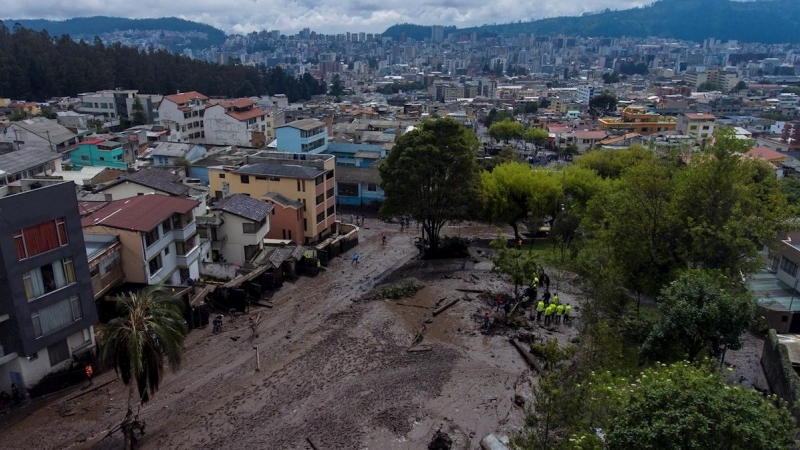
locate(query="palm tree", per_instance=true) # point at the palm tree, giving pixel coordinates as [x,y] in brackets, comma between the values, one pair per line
[148,329]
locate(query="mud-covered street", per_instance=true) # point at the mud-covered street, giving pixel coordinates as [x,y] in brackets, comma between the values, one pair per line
[335,369]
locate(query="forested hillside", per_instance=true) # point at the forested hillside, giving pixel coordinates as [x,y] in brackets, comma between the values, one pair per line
[37,66]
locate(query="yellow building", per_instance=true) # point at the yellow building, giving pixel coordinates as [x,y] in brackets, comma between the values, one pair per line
[636,119]
[307,178]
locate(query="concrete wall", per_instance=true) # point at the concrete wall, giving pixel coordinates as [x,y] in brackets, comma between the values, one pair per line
[93,157]
[286,222]
[132,252]
[778,370]
[127,190]
[225,130]
[220,271]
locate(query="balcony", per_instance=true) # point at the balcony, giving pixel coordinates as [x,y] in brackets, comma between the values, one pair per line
[185,260]
[184,230]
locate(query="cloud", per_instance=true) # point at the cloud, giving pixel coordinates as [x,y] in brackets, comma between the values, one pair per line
[323,16]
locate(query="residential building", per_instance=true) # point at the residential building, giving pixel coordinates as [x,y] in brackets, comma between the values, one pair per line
[104,252]
[158,234]
[118,104]
[587,140]
[47,308]
[698,125]
[40,132]
[242,226]
[237,122]
[358,186]
[586,93]
[171,153]
[307,178]
[27,163]
[286,218]
[98,153]
[637,119]
[183,114]
[303,136]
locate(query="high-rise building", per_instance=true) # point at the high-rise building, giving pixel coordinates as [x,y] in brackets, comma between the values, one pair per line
[437,34]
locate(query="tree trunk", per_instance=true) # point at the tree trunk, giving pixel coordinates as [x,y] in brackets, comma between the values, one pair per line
[127,424]
[515,227]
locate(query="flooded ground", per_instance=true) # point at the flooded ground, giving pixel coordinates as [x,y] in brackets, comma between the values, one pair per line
[335,366]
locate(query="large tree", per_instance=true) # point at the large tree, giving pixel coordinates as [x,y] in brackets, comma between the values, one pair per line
[432,175]
[149,329]
[138,115]
[602,104]
[506,130]
[700,310]
[507,191]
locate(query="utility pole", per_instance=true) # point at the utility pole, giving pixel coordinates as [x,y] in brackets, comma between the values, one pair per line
[49,141]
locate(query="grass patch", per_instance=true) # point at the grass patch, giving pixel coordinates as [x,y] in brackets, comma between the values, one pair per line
[398,291]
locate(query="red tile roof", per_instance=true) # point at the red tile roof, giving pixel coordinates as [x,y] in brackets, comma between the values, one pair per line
[185,97]
[246,115]
[766,153]
[243,102]
[141,213]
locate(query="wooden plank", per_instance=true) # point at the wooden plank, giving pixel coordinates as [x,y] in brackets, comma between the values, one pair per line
[444,307]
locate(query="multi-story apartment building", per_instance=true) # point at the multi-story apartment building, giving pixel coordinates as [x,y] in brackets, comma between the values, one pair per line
[303,136]
[637,119]
[698,125]
[237,122]
[118,104]
[183,115]
[239,227]
[47,310]
[307,178]
[158,234]
[586,93]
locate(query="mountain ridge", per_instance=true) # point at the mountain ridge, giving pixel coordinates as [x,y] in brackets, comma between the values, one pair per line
[765,21]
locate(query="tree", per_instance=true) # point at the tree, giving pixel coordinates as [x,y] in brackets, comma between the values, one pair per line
[506,130]
[685,406]
[432,175]
[48,113]
[94,125]
[602,104]
[520,266]
[611,163]
[740,86]
[610,78]
[700,310]
[537,136]
[496,116]
[148,329]
[707,87]
[138,115]
[507,192]
[336,89]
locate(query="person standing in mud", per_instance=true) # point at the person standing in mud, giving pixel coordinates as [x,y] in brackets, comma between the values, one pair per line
[498,302]
[485,326]
[355,260]
[539,310]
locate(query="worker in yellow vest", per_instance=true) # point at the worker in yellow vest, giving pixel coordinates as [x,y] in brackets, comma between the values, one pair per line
[556,300]
[567,311]
[548,314]
[559,313]
[539,310]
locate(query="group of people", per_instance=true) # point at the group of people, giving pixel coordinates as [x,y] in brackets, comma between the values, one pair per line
[356,220]
[553,310]
[7,400]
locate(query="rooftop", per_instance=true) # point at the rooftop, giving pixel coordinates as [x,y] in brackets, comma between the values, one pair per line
[96,243]
[161,180]
[766,153]
[47,129]
[245,206]
[24,159]
[141,213]
[305,124]
[185,97]
[172,149]
[281,170]
[280,199]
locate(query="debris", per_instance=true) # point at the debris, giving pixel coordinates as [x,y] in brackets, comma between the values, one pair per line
[440,441]
[472,291]
[444,307]
[532,361]
[412,305]
[419,349]
[519,400]
[492,442]
[311,443]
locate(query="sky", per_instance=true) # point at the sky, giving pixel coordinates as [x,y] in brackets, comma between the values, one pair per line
[323,16]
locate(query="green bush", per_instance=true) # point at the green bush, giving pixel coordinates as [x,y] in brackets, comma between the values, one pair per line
[398,291]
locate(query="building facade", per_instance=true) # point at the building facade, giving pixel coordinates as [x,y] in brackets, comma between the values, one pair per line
[98,153]
[183,115]
[237,122]
[697,125]
[303,136]
[47,310]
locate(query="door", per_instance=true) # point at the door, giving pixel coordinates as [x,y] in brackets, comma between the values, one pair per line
[16,377]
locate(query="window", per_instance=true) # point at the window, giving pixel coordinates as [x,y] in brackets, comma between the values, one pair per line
[260,178]
[348,189]
[298,185]
[705,127]
[41,238]
[166,250]
[319,180]
[274,179]
[249,228]
[222,175]
[84,158]
[250,252]
[154,265]
[789,266]
[329,193]
[56,316]
[151,237]
[331,210]
[48,278]
[166,225]
[245,179]
[693,128]
[109,264]
[329,175]
[305,224]
[372,187]
[58,352]
[321,217]
[320,198]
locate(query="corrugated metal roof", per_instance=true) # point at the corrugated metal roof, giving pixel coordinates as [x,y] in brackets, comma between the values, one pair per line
[172,149]
[304,124]
[25,159]
[141,213]
[47,129]
[351,174]
[281,170]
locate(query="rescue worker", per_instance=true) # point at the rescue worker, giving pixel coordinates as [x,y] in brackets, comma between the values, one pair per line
[89,373]
[555,299]
[485,325]
[559,313]
[548,314]
[539,310]
[498,303]
[567,311]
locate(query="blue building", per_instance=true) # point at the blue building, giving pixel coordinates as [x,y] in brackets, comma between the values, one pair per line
[170,153]
[303,136]
[358,186]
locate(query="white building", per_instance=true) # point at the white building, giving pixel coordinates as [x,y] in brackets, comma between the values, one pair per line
[183,115]
[235,122]
[586,93]
[244,224]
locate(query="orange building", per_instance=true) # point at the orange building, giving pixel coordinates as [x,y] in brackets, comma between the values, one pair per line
[636,119]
